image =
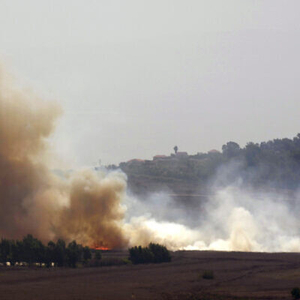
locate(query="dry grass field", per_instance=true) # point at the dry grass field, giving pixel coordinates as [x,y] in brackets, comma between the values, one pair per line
[236,276]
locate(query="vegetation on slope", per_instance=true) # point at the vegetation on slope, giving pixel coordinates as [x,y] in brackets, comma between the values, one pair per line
[274,163]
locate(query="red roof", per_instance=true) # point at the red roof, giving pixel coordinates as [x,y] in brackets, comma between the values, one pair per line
[213,151]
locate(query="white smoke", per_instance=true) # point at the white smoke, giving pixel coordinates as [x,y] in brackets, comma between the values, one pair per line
[234,219]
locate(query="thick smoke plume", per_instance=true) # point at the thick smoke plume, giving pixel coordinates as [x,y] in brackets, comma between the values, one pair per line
[26,186]
[94,215]
[95,209]
[86,206]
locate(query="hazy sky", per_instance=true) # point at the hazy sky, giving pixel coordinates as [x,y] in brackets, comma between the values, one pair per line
[136,78]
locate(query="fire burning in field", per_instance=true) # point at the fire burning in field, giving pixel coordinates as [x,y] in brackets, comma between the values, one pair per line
[102,248]
[89,207]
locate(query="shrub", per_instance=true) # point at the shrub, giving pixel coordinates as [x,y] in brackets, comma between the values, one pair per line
[208,274]
[126,261]
[295,293]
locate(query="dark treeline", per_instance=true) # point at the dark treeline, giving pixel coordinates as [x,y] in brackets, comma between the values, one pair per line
[274,163]
[31,251]
[154,253]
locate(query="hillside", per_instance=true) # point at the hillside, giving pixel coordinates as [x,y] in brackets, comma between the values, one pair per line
[272,164]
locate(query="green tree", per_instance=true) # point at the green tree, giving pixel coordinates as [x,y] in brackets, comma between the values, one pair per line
[16,252]
[252,154]
[50,254]
[87,254]
[231,149]
[140,255]
[73,253]
[32,250]
[5,249]
[59,253]
[154,253]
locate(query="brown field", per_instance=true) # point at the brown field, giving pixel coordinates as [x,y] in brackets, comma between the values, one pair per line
[236,276]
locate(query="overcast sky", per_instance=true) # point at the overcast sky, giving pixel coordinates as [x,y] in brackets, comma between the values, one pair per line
[135,78]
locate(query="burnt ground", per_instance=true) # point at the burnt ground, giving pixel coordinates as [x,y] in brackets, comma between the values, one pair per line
[237,275]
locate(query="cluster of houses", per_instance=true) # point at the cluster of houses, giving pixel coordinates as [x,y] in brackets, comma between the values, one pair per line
[161,157]
[173,155]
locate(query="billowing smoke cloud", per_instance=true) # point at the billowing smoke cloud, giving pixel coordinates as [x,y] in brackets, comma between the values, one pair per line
[234,217]
[86,206]
[95,209]
[26,193]
[94,215]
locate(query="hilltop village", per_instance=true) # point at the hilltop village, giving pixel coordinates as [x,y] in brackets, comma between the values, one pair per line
[273,164]
[173,165]
[178,172]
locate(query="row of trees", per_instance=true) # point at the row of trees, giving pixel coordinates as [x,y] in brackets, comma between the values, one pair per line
[275,163]
[154,253]
[30,250]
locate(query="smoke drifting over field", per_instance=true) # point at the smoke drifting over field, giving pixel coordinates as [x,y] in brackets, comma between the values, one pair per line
[95,209]
[233,219]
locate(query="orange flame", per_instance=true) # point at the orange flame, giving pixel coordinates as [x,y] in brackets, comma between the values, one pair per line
[101,248]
